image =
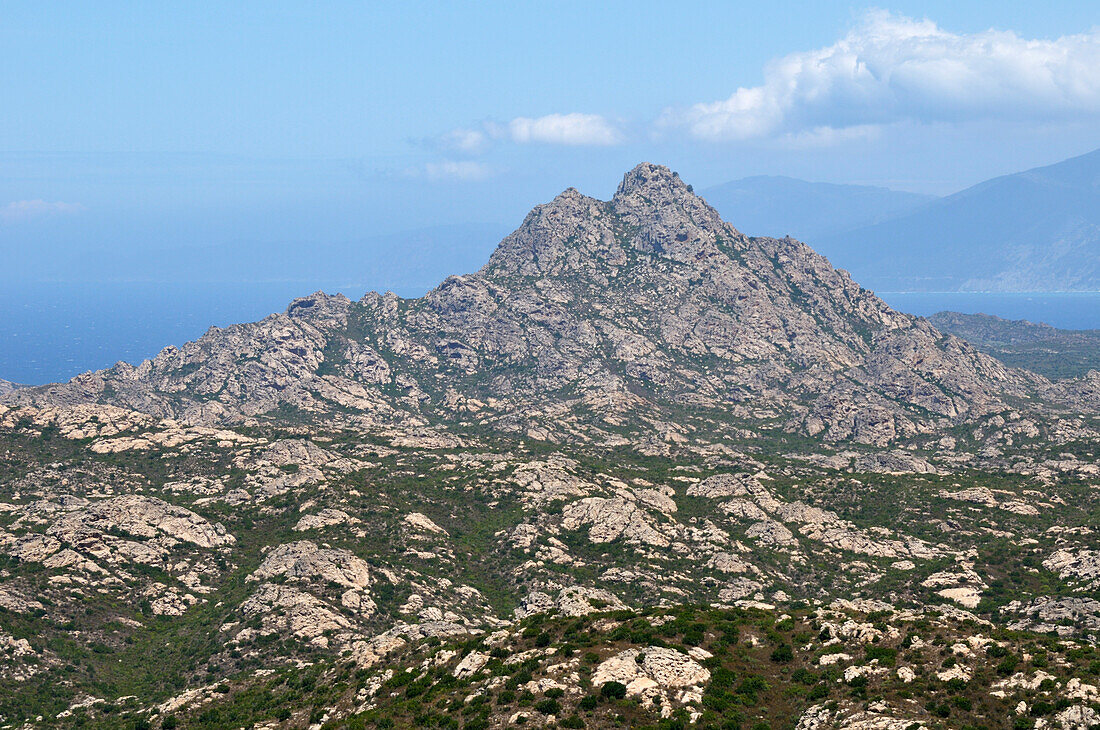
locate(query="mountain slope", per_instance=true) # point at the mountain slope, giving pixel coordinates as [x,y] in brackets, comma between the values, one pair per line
[1037,230]
[572,489]
[770,205]
[593,317]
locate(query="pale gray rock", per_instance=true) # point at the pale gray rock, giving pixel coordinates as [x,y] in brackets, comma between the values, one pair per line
[15,601]
[656,674]
[291,611]
[1063,615]
[611,519]
[570,601]
[1081,566]
[305,561]
[327,517]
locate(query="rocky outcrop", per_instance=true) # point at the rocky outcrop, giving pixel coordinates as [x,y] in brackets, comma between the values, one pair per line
[304,561]
[571,601]
[293,612]
[656,674]
[612,519]
[633,305]
[1080,566]
[327,517]
[87,534]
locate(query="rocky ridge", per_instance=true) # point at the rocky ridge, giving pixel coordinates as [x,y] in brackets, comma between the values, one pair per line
[593,317]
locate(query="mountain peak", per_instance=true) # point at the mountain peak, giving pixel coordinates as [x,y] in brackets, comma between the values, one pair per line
[652,181]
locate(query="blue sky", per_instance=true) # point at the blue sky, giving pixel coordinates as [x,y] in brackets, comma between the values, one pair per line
[138,126]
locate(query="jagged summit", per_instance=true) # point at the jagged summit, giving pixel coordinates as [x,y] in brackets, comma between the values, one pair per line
[592,313]
[654,181]
[653,211]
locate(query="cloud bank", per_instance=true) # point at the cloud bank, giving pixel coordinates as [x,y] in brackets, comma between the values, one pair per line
[565,129]
[574,130]
[891,68]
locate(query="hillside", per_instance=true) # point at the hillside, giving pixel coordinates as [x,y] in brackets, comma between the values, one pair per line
[640,470]
[1037,230]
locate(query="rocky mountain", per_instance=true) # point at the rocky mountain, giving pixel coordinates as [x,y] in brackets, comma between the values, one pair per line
[1056,353]
[1037,230]
[770,204]
[616,312]
[640,470]
[6,386]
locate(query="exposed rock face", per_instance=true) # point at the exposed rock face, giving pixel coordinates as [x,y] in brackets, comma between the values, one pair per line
[883,717]
[612,519]
[289,610]
[1080,566]
[6,386]
[571,601]
[645,300]
[304,561]
[657,674]
[12,600]
[85,534]
[327,517]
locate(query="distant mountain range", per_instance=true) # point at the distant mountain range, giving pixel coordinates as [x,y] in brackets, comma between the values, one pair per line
[767,205]
[1037,230]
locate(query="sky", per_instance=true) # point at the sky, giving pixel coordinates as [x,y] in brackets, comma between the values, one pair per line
[143,127]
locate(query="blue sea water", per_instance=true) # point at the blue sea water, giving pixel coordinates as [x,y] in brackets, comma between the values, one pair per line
[51,332]
[1065,310]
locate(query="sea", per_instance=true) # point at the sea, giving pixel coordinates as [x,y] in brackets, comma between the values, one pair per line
[50,332]
[1065,310]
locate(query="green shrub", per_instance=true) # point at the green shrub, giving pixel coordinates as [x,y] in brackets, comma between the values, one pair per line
[613,690]
[885,655]
[548,706]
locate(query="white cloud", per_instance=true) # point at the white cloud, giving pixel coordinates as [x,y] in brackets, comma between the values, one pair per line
[21,210]
[565,129]
[891,68]
[469,141]
[562,129]
[464,170]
